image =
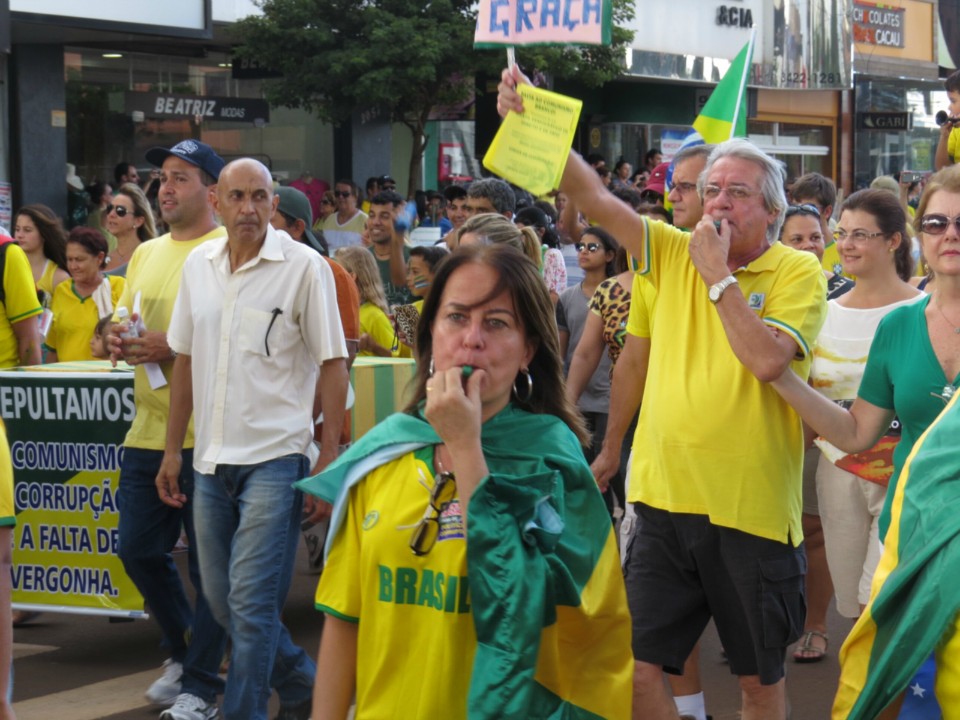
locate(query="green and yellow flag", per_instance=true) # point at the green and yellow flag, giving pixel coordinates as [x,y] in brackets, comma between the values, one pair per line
[915,598]
[725,114]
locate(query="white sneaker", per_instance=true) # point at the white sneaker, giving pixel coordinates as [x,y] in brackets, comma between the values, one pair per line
[166,688]
[190,707]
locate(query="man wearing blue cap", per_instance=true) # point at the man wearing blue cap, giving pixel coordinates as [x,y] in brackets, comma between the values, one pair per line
[149,528]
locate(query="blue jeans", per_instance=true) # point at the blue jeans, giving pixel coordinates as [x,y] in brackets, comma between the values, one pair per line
[147,533]
[247,543]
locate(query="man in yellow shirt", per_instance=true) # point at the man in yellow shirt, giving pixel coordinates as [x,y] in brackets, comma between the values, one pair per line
[149,528]
[717,478]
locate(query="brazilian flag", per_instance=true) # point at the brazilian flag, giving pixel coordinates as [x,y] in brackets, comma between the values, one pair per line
[915,596]
[546,591]
[724,115]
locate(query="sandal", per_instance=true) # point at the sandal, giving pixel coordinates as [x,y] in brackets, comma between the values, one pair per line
[807,652]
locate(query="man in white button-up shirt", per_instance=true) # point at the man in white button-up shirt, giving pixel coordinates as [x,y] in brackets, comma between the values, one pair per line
[255,318]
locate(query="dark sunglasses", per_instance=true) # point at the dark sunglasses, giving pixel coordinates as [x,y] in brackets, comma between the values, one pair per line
[428,529]
[341,193]
[389,187]
[592,247]
[326,201]
[804,209]
[120,210]
[937,224]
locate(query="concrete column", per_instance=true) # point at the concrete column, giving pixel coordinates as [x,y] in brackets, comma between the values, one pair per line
[38,149]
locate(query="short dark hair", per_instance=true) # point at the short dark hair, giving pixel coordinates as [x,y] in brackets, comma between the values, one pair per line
[387,197]
[92,241]
[454,192]
[628,195]
[497,191]
[431,254]
[651,153]
[886,209]
[119,171]
[594,158]
[952,83]
[549,209]
[814,186]
[353,186]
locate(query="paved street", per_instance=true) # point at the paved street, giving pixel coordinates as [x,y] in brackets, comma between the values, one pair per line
[73,667]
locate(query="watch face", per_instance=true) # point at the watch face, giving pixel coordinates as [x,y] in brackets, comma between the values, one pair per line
[714,293]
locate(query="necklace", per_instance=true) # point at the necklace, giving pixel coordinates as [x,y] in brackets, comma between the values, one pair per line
[956,329]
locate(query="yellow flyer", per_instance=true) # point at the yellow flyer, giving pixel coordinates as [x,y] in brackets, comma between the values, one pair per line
[531,149]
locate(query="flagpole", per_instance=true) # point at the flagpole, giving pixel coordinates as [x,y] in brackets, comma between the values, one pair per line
[748,61]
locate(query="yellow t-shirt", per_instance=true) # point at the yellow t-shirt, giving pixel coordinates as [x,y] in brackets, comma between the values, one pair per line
[413,612]
[74,320]
[45,282]
[643,303]
[8,515]
[375,323]
[953,145]
[19,304]
[712,439]
[154,271]
[831,259]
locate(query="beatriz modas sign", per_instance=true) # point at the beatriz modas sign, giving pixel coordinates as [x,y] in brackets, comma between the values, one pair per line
[196,107]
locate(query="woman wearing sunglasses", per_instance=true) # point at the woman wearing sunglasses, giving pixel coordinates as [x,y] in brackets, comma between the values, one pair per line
[471,570]
[911,372]
[130,220]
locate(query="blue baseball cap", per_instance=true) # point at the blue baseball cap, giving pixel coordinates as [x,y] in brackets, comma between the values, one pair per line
[192,151]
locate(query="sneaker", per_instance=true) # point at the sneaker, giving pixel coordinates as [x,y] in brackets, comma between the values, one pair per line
[166,688]
[300,711]
[190,707]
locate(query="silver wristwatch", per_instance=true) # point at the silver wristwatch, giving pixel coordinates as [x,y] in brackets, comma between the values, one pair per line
[717,289]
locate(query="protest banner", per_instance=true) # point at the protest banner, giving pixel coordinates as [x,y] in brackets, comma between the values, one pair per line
[542,22]
[66,432]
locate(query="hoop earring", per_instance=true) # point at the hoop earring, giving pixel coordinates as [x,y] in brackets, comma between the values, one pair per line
[516,393]
[430,368]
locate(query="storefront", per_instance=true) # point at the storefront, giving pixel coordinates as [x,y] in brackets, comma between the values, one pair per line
[681,49]
[97,83]
[120,104]
[897,90]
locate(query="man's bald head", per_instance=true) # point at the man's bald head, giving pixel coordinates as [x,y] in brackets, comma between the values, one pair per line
[245,200]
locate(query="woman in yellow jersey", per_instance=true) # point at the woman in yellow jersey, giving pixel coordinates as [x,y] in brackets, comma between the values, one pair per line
[79,305]
[377,337]
[41,235]
[472,571]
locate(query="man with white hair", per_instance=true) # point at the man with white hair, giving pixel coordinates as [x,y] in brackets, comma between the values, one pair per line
[717,482]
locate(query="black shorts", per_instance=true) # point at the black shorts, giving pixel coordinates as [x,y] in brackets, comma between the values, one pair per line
[681,570]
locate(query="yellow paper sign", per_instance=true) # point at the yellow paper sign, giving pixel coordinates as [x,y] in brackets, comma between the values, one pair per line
[531,149]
